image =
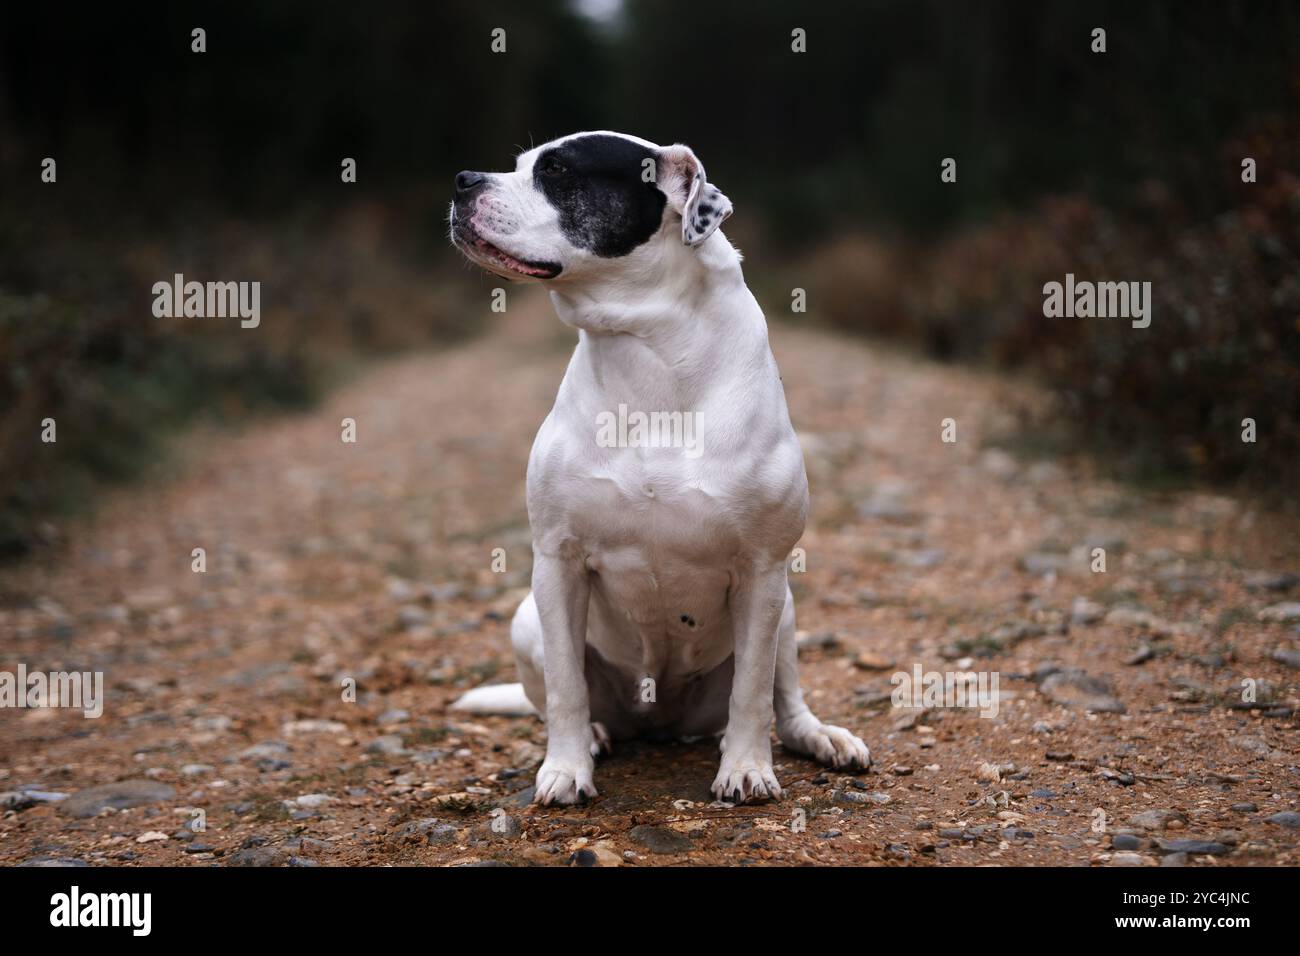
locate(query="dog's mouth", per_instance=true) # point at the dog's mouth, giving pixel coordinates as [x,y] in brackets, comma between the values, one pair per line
[494,257]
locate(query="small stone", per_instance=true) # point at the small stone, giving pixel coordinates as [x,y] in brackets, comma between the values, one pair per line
[658,839]
[583,857]
[1125,841]
[257,856]
[1045,562]
[152,836]
[1193,847]
[1085,611]
[850,796]
[823,639]
[23,799]
[1283,613]
[1128,859]
[117,796]
[1143,654]
[1247,808]
[1287,818]
[313,727]
[1157,819]
[1270,581]
[53,861]
[312,801]
[1288,656]
[1082,691]
[504,827]
[1174,859]
[411,618]
[872,662]
[902,771]
[390,745]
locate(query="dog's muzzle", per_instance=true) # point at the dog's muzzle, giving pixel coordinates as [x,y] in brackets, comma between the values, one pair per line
[469,187]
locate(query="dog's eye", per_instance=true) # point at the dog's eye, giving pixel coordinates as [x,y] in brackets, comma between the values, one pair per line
[553,167]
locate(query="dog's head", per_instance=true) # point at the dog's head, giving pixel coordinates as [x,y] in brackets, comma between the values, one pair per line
[574,205]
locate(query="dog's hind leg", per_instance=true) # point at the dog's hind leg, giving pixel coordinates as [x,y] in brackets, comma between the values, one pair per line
[796,725]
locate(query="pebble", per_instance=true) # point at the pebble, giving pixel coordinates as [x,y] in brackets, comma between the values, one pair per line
[1128,859]
[52,861]
[1045,562]
[117,796]
[390,745]
[313,727]
[1082,691]
[1157,819]
[1287,818]
[850,796]
[1247,808]
[429,830]
[658,839]
[152,836]
[257,856]
[1283,613]
[1125,841]
[821,639]
[23,799]
[872,662]
[1193,847]
[1288,656]
[312,801]
[1084,611]
[1143,654]
[1270,581]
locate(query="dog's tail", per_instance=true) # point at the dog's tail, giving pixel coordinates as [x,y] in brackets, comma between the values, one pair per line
[504,700]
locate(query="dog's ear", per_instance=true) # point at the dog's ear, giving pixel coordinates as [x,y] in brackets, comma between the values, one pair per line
[702,206]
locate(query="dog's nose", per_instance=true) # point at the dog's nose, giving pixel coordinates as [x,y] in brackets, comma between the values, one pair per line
[467,181]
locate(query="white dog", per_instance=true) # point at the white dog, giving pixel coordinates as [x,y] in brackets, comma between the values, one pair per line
[666,489]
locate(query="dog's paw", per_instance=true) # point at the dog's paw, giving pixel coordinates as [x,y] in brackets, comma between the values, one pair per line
[564,781]
[600,739]
[746,779]
[833,746]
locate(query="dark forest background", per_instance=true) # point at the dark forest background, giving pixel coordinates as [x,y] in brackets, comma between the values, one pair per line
[1124,165]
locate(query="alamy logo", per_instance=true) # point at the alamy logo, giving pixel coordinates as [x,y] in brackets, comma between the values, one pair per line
[209,300]
[933,689]
[77,690]
[1102,300]
[626,429]
[103,909]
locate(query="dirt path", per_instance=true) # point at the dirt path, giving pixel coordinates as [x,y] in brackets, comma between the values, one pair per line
[373,561]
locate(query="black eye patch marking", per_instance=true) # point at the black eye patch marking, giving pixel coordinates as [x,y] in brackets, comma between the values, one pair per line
[604,204]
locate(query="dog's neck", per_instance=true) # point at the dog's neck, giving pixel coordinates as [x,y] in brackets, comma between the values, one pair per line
[671,325]
[658,289]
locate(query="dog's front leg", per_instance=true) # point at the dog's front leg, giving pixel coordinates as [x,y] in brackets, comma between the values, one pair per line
[757,599]
[561,587]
